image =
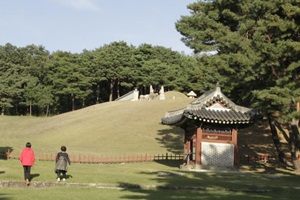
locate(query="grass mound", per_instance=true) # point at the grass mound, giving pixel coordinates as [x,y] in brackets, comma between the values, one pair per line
[112,128]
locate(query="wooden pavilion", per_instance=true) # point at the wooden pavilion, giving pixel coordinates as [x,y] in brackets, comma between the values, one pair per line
[211,123]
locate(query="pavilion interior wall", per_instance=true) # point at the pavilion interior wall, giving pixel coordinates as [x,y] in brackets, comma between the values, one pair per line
[211,145]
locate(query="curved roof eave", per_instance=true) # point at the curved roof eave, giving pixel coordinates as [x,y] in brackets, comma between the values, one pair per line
[173,117]
[200,109]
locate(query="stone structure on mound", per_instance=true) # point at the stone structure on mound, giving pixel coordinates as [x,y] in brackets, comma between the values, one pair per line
[134,95]
[191,94]
[130,96]
[211,123]
[162,93]
[152,95]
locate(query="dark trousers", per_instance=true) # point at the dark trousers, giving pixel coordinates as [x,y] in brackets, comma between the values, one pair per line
[59,172]
[27,172]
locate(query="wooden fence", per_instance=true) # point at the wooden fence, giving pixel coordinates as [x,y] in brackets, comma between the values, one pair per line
[244,159]
[100,159]
[264,158]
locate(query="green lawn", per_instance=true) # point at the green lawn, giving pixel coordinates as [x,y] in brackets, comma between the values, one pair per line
[165,175]
[105,194]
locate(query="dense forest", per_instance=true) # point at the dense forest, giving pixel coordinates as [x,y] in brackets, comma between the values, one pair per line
[35,82]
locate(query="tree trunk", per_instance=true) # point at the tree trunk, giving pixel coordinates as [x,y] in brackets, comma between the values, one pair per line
[97,94]
[277,143]
[47,110]
[73,102]
[83,103]
[30,108]
[294,120]
[294,134]
[295,140]
[292,142]
[111,89]
[118,88]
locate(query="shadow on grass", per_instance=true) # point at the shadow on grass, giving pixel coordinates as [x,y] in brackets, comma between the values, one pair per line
[68,176]
[194,194]
[178,184]
[172,139]
[268,168]
[32,176]
[170,163]
[3,152]
[4,196]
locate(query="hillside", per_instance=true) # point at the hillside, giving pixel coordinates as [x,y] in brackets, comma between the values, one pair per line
[115,128]
[112,128]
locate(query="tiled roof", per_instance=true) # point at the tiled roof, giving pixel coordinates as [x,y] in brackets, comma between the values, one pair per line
[211,107]
[219,116]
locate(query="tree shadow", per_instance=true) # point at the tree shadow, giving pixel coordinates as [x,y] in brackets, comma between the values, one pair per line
[179,184]
[172,138]
[257,140]
[4,151]
[5,196]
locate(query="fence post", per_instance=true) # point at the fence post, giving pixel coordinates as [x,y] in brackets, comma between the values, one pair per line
[8,154]
[266,159]
[166,156]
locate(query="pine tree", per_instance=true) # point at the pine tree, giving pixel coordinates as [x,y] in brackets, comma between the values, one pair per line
[257,45]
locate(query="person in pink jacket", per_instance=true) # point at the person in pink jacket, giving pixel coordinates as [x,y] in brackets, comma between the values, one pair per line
[27,160]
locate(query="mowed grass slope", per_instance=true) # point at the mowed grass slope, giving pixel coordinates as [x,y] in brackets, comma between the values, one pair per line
[112,128]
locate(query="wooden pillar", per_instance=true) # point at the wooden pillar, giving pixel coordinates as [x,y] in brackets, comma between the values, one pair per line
[234,142]
[185,146]
[198,146]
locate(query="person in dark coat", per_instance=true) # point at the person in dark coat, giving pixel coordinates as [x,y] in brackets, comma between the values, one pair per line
[61,163]
[27,160]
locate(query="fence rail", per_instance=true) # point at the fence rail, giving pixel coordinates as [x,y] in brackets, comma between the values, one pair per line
[244,159]
[100,159]
[264,158]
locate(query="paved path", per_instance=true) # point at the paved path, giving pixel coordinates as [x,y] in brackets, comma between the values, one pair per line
[18,184]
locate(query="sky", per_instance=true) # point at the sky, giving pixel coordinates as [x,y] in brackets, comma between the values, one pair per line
[75,25]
